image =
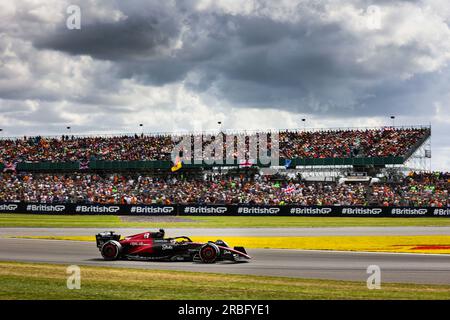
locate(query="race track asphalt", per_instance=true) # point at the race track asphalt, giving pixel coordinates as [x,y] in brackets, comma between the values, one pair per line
[248,232]
[406,268]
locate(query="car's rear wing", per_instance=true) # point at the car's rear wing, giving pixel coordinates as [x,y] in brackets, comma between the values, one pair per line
[103,237]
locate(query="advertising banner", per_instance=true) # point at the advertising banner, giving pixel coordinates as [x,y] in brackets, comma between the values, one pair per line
[221,210]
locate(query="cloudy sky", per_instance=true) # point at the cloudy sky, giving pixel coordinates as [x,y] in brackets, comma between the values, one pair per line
[256,64]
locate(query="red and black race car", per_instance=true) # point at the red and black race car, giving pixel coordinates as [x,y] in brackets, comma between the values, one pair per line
[153,246]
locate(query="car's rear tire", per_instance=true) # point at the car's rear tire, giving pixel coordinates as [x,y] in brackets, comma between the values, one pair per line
[209,253]
[111,250]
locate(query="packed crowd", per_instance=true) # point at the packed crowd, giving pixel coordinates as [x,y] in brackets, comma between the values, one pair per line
[292,144]
[349,143]
[415,190]
[425,189]
[66,149]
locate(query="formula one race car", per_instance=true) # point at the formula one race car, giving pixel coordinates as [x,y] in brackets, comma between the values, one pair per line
[154,247]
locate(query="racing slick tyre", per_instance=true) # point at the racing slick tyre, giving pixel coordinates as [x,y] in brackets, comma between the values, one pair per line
[111,250]
[209,253]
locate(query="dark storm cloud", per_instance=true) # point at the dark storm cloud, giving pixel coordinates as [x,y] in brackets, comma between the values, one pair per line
[159,72]
[132,38]
[248,60]
[307,65]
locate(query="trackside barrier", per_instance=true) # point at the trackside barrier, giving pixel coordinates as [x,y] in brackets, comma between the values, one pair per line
[220,210]
[165,164]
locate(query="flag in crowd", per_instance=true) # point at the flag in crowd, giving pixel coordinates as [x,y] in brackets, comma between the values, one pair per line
[84,165]
[178,164]
[10,166]
[245,163]
[289,189]
[287,163]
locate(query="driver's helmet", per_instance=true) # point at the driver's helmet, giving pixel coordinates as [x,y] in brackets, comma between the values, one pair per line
[155,235]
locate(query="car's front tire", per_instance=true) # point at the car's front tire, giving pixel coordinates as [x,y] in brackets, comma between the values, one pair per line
[111,250]
[209,253]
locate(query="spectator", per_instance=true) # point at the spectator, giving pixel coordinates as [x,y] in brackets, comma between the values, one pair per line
[292,144]
[416,190]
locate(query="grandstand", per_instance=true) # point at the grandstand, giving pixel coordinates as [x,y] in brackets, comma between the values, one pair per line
[358,149]
[353,167]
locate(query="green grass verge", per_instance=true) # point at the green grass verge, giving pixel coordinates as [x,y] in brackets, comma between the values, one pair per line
[47,281]
[35,220]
